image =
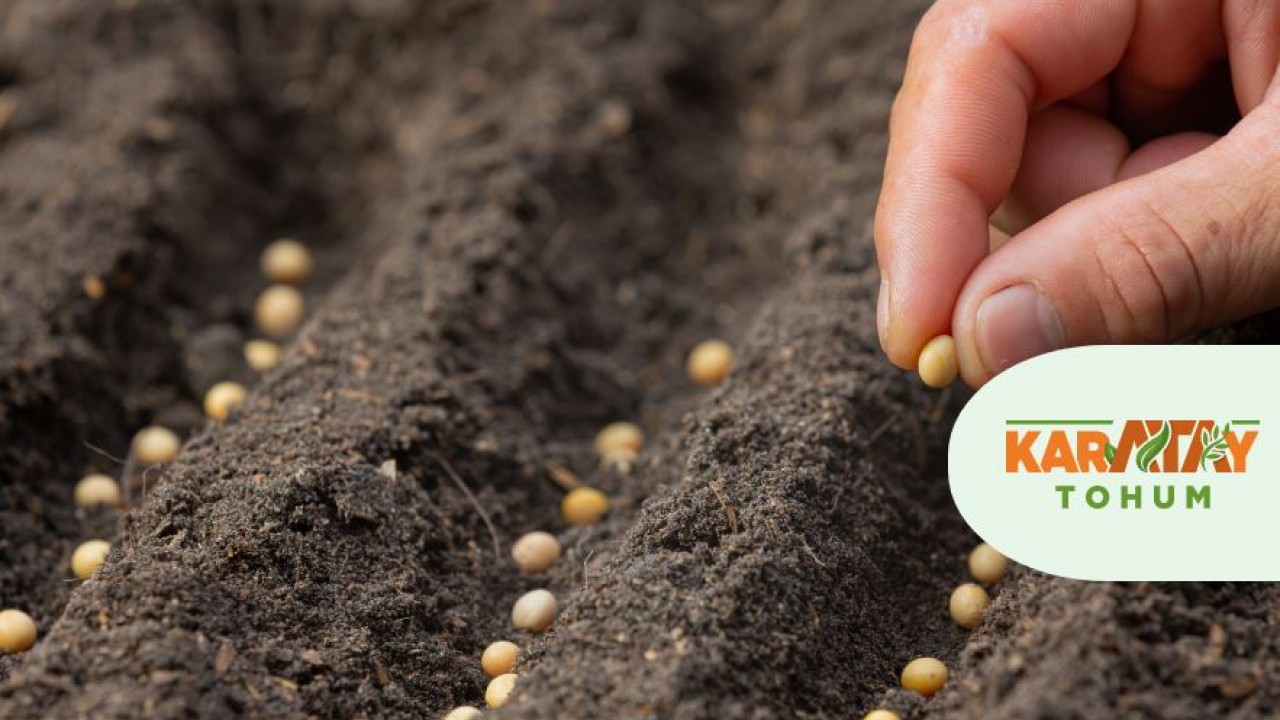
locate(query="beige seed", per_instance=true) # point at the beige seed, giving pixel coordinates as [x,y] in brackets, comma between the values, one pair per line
[262,355]
[535,552]
[279,310]
[924,675]
[620,459]
[97,489]
[93,287]
[17,631]
[495,696]
[155,445]
[223,398]
[938,365]
[619,436]
[881,715]
[534,611]
[90,556]
[583,506]
[286,261]
[499,658]
[968,605]
[987,565]
[464,712]
[710,362]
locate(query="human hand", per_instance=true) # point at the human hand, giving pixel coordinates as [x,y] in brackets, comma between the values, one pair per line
[1090,131]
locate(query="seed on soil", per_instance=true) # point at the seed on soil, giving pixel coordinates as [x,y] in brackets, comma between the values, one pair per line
[968,605]
[223,398]
[881,715]
[286,261]
[156,445]
[17,631]
[924,675]
[535,552]
[938,364]
[279,310]
[499,658]
[90,556]
[464,712]
[495,696]
[987,565]
[97,489]
[93,287]
[615,118]
[710,362]
[262,355]
[620,459]
[534,611]
[619,436]
[583,506]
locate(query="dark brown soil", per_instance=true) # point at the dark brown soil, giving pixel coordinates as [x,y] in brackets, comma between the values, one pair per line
[503,268]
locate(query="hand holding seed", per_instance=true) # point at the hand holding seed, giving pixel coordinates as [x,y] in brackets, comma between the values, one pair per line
[1128,146]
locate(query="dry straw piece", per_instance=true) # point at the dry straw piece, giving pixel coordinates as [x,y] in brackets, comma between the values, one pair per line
[535,551]
[286,261]
[262,355]
[969,605]
[156,445]
[280,310]
[925,676]
[710,362]
[987,565]
[583,506]
[223,398]
[17,631]
[97,489]
[499,658]
[90,556]
[535,611]
[938,364]
[495,696]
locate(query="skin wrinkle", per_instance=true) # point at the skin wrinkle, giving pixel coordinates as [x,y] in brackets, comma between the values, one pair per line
[1180,240]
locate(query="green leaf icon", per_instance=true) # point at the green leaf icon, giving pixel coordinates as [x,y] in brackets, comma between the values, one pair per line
[1215,445]
[1110,452]
[1154,445]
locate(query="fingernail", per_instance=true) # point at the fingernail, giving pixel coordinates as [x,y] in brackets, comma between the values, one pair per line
[882,314]
[1016,324]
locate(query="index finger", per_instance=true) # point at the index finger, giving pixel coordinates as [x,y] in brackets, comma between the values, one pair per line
[976,71]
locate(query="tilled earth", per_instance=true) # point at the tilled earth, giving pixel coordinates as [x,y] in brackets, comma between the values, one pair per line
[524,214]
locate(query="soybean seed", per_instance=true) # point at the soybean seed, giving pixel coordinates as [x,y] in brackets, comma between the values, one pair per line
[534,611]
[156,445]
[17,631]
[223,398]
[620,459]
[464,712]
[619,435]
[495,696]
[262,355]
[925,676]
[90,556]
[286,261]
[938,364]
[97,489]
[535,552]
[583,506]
[710,362]
[499,658]
[987,565]
[881,715]
[279,310]
[968,605]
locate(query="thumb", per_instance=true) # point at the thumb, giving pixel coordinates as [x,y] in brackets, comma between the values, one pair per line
[1151,259]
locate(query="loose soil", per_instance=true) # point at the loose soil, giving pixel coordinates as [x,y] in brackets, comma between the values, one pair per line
[525,214]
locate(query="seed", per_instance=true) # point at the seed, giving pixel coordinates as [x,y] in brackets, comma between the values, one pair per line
[710,362]
[881,715]
[286,261]
[17,631]
[534,611]
[464,712]
[938,364]
[223,398]
[968,605]
[495,696]
[924,675]
[615,118]
[499,658]
[262,355]
[93,287]
[90,556]
[987,565]
[619,435]
[279,310]
[97,489]
[155,445]
[583,506]
[535,552]
[620,459]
